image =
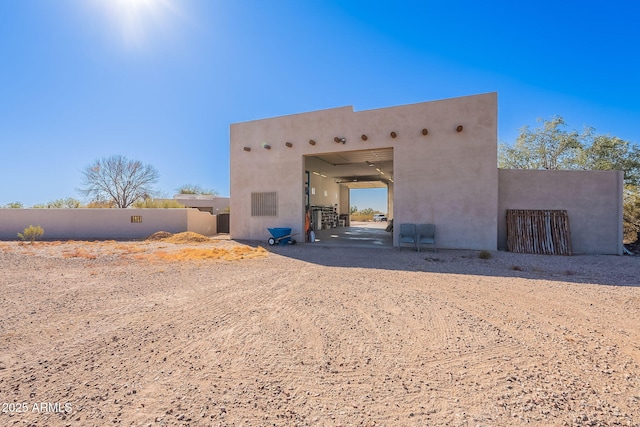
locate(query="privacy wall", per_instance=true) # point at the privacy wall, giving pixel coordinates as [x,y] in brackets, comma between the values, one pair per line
[121,224]
[592,199]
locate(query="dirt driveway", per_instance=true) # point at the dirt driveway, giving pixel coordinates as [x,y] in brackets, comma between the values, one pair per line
[115,334]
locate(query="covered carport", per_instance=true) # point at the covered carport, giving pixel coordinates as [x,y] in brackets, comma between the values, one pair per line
[356,235]
[329,179]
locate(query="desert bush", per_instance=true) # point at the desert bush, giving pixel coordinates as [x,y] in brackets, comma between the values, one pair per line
[69,202]
[196,189]
[484,255]
[361,217]
[157,203]
[101,204]
[13,205]
[363,214]
[31,233]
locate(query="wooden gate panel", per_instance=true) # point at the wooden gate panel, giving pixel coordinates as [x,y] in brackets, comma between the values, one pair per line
[538,232]
[222,223]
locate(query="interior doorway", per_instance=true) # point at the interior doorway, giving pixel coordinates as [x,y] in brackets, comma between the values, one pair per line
[330,182]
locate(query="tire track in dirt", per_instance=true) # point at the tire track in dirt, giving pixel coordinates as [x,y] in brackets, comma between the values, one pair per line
[534,321]
[286,342]
[346,370]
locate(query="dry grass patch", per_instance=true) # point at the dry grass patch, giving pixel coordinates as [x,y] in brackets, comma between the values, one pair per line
[187,237]
[78,253]
[198,247]
[159,235]
[193,254]
[108,242]
[128,249]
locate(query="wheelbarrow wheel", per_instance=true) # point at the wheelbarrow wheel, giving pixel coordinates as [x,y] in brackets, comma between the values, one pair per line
[271,241]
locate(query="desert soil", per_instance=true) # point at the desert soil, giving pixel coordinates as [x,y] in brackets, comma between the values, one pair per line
[114,333]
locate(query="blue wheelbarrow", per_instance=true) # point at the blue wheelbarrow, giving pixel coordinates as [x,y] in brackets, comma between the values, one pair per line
[281,236]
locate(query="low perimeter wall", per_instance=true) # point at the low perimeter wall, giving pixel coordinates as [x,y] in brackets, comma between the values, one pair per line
[592,199]
[89,224]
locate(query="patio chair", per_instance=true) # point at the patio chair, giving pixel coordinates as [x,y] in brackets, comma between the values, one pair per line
[407,234]
[426,235]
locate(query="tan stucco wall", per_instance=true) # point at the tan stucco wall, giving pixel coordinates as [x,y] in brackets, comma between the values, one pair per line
[212,204]
[592,199]
[448,178]
[102,223]
[390,201]
[201,222]
[345,200]
[327,192]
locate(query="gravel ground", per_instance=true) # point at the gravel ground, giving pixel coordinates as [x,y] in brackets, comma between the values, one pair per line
[140,333]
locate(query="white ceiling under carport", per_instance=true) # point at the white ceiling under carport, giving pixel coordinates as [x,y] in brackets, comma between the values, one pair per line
[355,169]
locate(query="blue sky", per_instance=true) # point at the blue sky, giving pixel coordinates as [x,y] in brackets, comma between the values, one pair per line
[161,80]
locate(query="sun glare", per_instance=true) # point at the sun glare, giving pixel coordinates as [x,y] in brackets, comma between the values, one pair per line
[136,22]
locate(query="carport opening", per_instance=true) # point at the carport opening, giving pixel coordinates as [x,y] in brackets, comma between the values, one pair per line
[332,180]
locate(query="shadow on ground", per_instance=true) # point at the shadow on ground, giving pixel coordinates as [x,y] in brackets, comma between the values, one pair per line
[595,269]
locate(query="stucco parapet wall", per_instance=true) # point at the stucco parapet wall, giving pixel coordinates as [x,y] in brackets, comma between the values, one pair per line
[198,197]
[118,224]
[323,126]
[202,201]
[592,199]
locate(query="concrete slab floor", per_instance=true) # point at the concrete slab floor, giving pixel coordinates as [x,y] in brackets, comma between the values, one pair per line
[359,234]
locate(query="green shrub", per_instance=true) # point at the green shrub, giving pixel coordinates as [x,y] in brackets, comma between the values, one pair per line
[101,204]
[362,217]
[158,203]
[13,205]
[31,233]
[484,255]
[196,189]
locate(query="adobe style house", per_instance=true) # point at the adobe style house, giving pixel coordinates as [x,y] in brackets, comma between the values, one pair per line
[203,202]
[437,160]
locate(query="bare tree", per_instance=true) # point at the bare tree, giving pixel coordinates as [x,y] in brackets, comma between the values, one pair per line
[119,180]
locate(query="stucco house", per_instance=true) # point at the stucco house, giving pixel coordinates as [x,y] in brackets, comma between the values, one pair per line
[437,160]
[204,202]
